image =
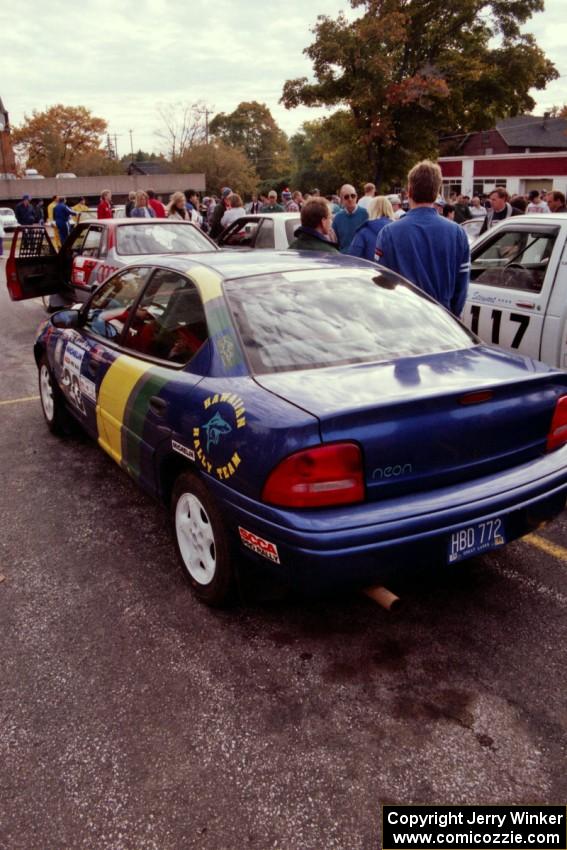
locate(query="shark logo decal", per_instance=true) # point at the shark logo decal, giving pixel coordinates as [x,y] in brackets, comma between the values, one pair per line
[215,428]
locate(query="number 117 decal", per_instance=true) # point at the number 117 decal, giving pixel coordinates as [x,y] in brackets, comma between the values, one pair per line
[496,317]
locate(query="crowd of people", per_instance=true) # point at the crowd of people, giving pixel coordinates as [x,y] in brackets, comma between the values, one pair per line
[415,232]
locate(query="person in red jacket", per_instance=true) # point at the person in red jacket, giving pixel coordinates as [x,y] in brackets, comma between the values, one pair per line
[104,209]
[155,203]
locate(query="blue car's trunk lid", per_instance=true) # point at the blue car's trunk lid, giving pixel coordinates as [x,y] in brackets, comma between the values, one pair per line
[429,421]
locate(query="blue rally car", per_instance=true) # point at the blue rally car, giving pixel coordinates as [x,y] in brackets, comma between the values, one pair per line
[311,412]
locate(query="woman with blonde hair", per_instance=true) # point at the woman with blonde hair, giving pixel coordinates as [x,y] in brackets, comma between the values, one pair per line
[380,214]
[141,208]
[177,207]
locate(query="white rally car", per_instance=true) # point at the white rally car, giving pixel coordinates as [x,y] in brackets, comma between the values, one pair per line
[518,292]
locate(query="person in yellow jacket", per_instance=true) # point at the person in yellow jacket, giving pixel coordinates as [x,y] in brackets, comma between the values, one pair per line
[53,232]
[80,206]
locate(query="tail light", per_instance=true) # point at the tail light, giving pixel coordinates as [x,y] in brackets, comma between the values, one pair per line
[14,288]
[319,477]
[557,436]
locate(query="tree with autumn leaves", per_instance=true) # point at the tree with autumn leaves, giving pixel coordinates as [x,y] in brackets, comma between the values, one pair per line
[62,138]
[407,71]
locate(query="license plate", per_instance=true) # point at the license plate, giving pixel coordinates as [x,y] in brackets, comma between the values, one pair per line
[475,539]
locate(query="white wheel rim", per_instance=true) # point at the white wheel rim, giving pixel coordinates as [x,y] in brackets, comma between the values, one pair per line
[46,392]
[195,538]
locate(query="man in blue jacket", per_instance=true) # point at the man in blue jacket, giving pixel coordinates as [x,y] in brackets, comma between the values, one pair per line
[349,219]
[427,249]
[62,213]
[24,211]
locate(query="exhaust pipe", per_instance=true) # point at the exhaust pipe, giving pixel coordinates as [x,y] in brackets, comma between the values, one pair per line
[383,597]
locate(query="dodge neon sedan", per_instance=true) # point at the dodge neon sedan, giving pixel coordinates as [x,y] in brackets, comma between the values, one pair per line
[315,414]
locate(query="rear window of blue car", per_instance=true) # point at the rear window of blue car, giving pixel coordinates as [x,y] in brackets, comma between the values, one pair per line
[317,318]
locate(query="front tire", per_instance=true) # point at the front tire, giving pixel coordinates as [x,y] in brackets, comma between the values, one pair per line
[202,541]
[52,402]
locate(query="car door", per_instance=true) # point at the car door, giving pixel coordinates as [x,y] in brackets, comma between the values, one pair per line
[164,353]
[81,358]
[512,277]
[33,268]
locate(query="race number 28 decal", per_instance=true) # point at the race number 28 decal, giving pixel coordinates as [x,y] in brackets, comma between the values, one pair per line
[496,317]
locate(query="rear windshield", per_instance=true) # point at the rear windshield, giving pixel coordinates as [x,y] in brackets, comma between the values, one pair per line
[167,238]
[310,319]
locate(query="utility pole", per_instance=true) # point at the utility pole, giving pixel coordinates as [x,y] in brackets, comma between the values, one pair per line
[131,144]
[115,146]
[206,112]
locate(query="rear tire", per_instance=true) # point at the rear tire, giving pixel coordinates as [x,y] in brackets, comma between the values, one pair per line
[202,541]
[56,415]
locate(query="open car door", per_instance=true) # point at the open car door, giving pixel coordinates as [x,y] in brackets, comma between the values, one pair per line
[33,268]
[240,234]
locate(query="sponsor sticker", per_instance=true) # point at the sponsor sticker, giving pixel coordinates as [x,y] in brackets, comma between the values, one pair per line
[71,376]
[88,388]
[259,545]
[182,450]
[227,350]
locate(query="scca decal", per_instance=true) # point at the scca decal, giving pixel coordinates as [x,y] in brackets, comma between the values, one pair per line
[224,414]
[259,545]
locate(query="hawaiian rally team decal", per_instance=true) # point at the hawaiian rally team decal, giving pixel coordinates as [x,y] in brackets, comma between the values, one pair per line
[224,415]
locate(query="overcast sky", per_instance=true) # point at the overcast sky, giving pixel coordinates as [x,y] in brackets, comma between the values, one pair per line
[121,60]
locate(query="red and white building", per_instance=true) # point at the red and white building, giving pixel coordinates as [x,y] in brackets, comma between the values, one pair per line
[522,153]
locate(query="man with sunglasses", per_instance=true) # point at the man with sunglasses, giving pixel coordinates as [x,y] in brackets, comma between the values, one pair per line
[349,219]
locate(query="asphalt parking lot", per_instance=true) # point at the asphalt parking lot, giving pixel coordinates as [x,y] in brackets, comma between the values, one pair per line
[134,718]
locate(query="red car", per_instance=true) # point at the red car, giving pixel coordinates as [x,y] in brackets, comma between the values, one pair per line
[96,249]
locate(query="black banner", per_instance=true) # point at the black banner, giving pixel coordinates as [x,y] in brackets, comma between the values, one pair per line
[473,827]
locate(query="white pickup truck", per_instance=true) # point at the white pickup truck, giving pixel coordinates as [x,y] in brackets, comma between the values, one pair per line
[518,292]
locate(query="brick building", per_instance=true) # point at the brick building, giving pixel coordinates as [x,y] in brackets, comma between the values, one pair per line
[522,153]
[7,158]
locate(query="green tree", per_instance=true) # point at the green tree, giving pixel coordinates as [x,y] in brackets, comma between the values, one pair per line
[324,154]
[252,128]
[55,139]
[410,70]
[222,165]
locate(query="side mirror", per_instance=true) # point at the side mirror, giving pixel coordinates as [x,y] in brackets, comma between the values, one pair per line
[66,319]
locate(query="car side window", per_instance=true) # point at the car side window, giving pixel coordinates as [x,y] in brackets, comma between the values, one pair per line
[110,307]
[514,259]
[241,235]
[33,242]
[291,226]
[169,321]
[265,235]
[75,246]
[92,242]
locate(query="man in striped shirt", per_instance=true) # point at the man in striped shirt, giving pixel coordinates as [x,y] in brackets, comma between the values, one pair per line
[427,249]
